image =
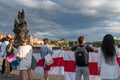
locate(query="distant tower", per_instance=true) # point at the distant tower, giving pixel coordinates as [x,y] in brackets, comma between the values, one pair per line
[20,26]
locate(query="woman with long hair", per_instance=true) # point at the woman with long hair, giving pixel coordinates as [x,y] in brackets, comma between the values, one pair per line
[107,59]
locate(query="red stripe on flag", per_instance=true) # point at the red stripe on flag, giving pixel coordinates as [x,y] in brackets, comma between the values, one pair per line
[69,66]
[118,59]
[57,62]
[93,68]
[40,63]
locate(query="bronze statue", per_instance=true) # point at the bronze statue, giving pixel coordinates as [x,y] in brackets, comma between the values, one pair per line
[20,26]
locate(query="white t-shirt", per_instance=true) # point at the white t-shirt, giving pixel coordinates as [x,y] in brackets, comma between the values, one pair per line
[108,71]
[25,53]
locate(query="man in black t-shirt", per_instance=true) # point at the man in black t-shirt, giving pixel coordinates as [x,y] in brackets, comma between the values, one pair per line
[82,70]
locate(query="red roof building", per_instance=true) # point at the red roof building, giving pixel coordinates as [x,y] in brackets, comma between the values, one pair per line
[5,35]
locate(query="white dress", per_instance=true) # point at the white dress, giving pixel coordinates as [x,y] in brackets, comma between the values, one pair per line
[107,71]
[25,53]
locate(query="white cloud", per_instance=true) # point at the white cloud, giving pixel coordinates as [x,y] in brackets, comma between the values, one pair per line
[95,8]
[64,18]
[44,4]
[113,27]
[42,34]
[28,3]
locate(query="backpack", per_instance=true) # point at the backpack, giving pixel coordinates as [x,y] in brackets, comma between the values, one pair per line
[81,56]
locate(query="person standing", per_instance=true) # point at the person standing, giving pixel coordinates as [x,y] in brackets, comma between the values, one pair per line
[44,50]
[82,69]
[25,55]
[107,59]
[81,58]
[9,51]
[5,42]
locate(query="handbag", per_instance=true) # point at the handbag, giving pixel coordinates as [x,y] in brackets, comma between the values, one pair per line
[12,59]
[33,62]
[48,59]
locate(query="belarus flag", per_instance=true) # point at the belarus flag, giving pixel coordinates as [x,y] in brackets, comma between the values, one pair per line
[64,64]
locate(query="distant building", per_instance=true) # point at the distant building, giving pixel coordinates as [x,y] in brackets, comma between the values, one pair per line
[35,41]
[5,35]
[60,43]
[2,36]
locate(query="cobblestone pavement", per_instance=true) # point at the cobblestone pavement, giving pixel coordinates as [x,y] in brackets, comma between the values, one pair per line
[15,74]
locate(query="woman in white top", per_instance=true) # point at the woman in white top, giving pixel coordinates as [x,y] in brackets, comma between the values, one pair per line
[25,55]
[107,59]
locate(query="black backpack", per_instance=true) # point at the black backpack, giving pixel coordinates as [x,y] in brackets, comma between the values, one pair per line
[81,56]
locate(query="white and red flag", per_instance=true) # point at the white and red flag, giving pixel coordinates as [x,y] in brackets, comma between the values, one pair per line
[64,64]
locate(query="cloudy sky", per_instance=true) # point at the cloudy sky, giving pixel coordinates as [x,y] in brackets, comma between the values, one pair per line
[67,19]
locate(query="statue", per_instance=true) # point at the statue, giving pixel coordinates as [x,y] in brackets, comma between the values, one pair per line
[21,16]
[20,26]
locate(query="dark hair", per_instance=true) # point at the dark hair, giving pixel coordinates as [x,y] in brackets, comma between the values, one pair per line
[108,49]
[7,38]
[3,39]
[45,39]
[25,38]
[81,39]
[11,39]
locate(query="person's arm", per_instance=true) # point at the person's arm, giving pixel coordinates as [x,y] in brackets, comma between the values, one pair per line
[3,49]
[95,50]
[66,49]
[91,49]
[9,47]
[19,53]
[70,48]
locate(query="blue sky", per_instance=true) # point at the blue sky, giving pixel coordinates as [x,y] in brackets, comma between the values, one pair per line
[67,19]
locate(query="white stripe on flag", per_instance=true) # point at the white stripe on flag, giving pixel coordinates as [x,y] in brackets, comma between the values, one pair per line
[59,70]
[53,70]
